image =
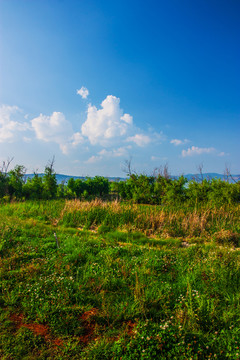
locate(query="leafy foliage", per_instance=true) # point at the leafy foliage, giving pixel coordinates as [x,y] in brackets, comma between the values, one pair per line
[158,189]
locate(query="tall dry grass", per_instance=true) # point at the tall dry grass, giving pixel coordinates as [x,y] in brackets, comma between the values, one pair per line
[153,220]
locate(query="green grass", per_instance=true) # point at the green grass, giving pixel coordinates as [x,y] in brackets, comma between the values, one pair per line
[126,282]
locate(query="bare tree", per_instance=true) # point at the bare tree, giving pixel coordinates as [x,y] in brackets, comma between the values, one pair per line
[166,171]
[50,164]
[5,166]
[162,171]
[127,167]
[228,175]
[198,177]
[200,169]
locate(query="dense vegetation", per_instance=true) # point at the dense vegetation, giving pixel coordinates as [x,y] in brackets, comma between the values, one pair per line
[141,189]
[156,276]
[111,280]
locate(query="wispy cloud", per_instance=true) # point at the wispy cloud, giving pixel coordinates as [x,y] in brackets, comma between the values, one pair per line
[139,139]
[27,139]
[104,153]
[222,153]
[83,92]
[194,150]
[158,158]
[122,151]
[93,159]
[178,142]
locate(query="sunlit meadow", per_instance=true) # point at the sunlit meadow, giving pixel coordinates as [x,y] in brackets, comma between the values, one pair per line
[111,280]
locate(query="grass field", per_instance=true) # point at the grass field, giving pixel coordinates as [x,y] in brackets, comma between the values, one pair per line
[95,280]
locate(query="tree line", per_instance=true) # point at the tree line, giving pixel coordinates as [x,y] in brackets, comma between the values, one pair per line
[14,185]
[138,188]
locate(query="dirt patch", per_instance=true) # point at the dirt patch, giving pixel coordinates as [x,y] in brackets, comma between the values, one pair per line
[130,327]
[57,342]
[89,325]
[89,332]
[37,329]
[17,319]
[88,314]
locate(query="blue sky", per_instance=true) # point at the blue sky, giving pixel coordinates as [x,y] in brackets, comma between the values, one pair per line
[97,82]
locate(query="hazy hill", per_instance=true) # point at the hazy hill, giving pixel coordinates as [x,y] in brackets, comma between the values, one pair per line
[61,178]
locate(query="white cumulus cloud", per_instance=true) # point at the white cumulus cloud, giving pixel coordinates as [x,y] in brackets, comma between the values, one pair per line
[106,124]
[127,118]
[76,139]
[55,128]
[83,92]
[107,127]
[52,128]
[10,123]
[194,150]
[139,139]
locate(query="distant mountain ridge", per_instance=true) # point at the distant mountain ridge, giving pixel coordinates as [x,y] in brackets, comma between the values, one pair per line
[61,178]
[208,176]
